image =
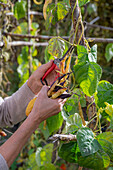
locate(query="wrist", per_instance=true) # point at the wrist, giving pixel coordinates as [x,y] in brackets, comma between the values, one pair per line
[34,120]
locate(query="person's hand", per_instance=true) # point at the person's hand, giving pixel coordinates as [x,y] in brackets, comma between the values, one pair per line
[34,82]
[45,107]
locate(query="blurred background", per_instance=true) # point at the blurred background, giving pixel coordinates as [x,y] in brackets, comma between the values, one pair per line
[21,55]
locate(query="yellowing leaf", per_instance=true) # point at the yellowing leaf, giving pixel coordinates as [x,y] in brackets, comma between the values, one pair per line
[109,109]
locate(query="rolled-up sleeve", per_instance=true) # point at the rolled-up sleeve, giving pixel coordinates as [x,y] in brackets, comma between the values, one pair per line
[3,163]
[12,109]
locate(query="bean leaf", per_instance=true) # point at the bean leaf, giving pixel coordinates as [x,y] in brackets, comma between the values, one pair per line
[59,11]
[20,9]
[83,2]
[109,52]
[67,151]
[104,93]
[84,56]
[86,142]
[98,160]
[106,141]
[56,47]
[87,76]
[44,155]
[54,123]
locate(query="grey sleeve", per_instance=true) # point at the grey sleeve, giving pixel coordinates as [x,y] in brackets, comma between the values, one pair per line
[3,163]
[12,109]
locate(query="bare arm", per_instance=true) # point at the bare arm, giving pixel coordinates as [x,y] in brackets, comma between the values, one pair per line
[44,107]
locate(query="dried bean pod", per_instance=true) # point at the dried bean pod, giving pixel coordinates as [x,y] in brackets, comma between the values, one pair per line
[64,96]
[58,93]
[30,106]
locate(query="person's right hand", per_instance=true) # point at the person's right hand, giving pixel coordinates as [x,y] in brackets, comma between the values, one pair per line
[45,107]
[34,82]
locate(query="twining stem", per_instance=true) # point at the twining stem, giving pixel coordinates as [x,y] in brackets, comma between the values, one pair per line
[67,41]
[81,113]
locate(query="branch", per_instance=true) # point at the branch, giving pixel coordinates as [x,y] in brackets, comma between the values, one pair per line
[101,40]
[45,37]
[3,4]
[62,137]
[98,26]
[24,43]
[94,20]
[30,13]
[36,13]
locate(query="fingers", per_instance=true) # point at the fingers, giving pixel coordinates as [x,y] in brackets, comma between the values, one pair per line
[45,89]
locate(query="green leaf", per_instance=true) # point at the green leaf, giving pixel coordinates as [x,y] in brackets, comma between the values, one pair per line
[86,142]
[87,76]
[67,151]
[23,57]
[104,93]
[44,155]
[45,130]
[54,123]
[109,109]
[56,13]
[48,166]
[56,47]
[47,56]
[62,10]
[52,16]
[92,56]
[23,72]
[106,141]
[20,9]
[73,123]
[71,105]
[106,135]
[111,123]
[67,2]
[107,147]
[98,160]
[84,56]
[23,28]
[32,161]
[83,2]
[109,52]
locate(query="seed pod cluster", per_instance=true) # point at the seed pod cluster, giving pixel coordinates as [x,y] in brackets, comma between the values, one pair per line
[58,89]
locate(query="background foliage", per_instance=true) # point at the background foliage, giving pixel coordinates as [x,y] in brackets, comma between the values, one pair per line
[16,69]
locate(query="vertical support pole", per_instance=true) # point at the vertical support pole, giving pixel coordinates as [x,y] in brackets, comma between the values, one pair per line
[57,24]
[29,27]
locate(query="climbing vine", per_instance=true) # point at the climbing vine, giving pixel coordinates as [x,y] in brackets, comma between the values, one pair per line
[82,134]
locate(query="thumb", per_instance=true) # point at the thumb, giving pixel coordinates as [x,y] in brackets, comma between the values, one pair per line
[47,66]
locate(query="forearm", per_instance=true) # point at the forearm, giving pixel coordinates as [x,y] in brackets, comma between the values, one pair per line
[11,148]
[12,109]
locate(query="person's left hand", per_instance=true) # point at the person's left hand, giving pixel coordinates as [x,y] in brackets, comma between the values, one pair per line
[34,82]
